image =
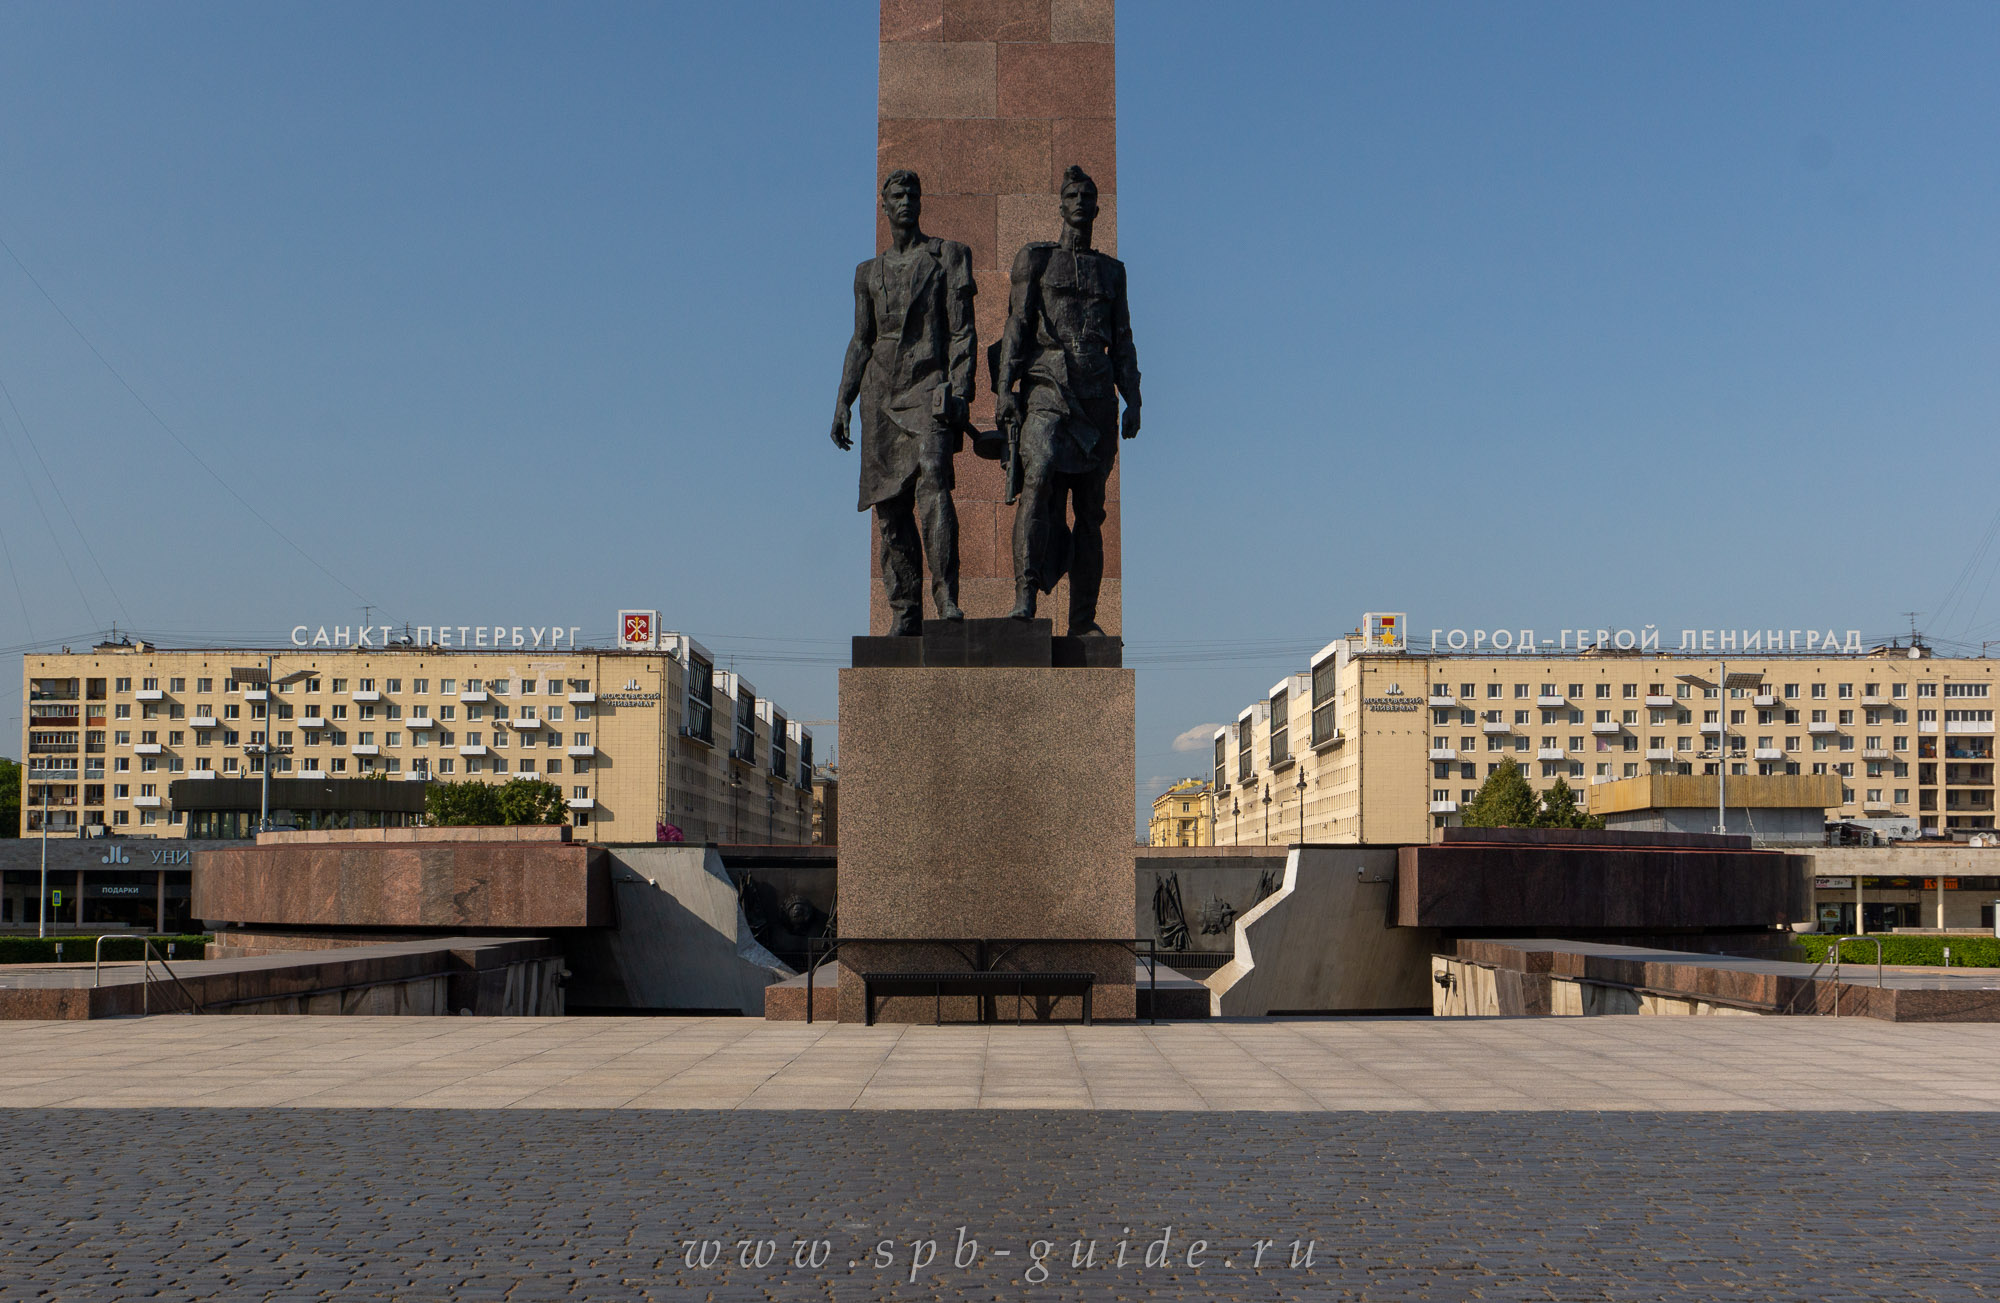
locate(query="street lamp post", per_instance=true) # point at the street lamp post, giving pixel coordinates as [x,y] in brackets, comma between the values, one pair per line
[1302,805]
[1267,814]
[42,906]
[1235,822]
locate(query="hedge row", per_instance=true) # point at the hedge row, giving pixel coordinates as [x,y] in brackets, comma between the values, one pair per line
[77,950]
[1966,952]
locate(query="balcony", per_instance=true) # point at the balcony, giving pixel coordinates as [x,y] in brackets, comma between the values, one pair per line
[417,722]
[307,773]
[582,751]
[1606,728]
[256,694]
[1822,728]
[1764,701]
[1551,700]
[1496,726]
[1444,807]
[526,725]
[1868,700]
[1876,803]
[473,750]
[365,749]
[202,721]
[202,774]
[1770,753]
[148,749]
[417,776]
[1550,753]
[1443,753]
[1659,753]
[474,698]
[147,802]
[367,695]
[1874,753]
[583,698]
[581,803]
[1657,701]
[1968,726]
[312,719]
[149,694]
[51,748]
[1927,726]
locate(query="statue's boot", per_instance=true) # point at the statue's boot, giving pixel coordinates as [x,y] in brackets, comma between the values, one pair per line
[944,594]
[1024,600]
[1083,607]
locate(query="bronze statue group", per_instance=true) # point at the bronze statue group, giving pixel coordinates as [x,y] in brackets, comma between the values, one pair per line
[1063,361]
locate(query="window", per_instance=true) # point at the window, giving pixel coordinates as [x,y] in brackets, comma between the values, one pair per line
[1927,689]
[1520,717]
[1492,692]
[1965,689]
[1846,692]
[122,685]
[1903,796]
[447,713]
[447,686]
[340,685]
[204,685]
[1632,716]
[1575,743]
[1899,690]
[1468,690]
[1576,689]
[361,685]
[340,712]
[1631,690]
[1244,767]
[1326,701]
[527,687]
[419,687]
[698,715]
[392,685]
[1520,691]
[447,766]
[1603,691]
[121,711]
[1819,692]
[746,725]
[1221,760]
[525,766]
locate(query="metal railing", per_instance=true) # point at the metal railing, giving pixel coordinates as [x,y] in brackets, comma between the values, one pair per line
[147,955]
[982,960]
[1836,966]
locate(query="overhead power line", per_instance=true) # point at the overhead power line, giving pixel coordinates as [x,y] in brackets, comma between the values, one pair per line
[56,486]
[171,433]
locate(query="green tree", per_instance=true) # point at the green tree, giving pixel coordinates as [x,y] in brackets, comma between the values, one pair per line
[527,800]
[1560,810]
[473,804]
[1504,801]
[10,798]
[470,804]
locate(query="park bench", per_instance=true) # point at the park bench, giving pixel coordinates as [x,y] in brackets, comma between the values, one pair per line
[938,985]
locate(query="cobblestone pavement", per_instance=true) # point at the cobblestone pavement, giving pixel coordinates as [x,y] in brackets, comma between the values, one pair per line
[1570,1064]
[603,1205]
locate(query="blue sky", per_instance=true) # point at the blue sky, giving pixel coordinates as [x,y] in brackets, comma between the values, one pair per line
[1550,315]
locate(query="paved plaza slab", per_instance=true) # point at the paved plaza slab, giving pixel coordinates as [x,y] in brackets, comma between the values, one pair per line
[195,1158]
[1413,1064]
[540,1204]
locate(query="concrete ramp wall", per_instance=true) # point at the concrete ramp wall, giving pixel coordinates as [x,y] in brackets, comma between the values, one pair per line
[1326,943]
[681,942]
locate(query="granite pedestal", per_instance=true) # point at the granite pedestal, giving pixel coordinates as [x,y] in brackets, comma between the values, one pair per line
[986,796]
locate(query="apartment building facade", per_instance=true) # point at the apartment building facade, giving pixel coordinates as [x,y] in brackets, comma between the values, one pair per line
[1378,743]
[646,741]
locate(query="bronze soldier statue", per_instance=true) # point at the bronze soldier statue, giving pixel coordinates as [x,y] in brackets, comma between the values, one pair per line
[911,365]
[1068,348]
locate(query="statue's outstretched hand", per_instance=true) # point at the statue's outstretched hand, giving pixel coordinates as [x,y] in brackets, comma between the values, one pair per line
[842,438]
[1129,428]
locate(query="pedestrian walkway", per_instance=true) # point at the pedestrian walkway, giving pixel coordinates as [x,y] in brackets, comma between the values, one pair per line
[1606,1063]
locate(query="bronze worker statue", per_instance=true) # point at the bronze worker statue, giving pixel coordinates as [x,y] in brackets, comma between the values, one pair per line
[910,364]
[1063,361]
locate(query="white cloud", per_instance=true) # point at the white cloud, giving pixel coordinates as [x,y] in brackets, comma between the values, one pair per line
[1198,738]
